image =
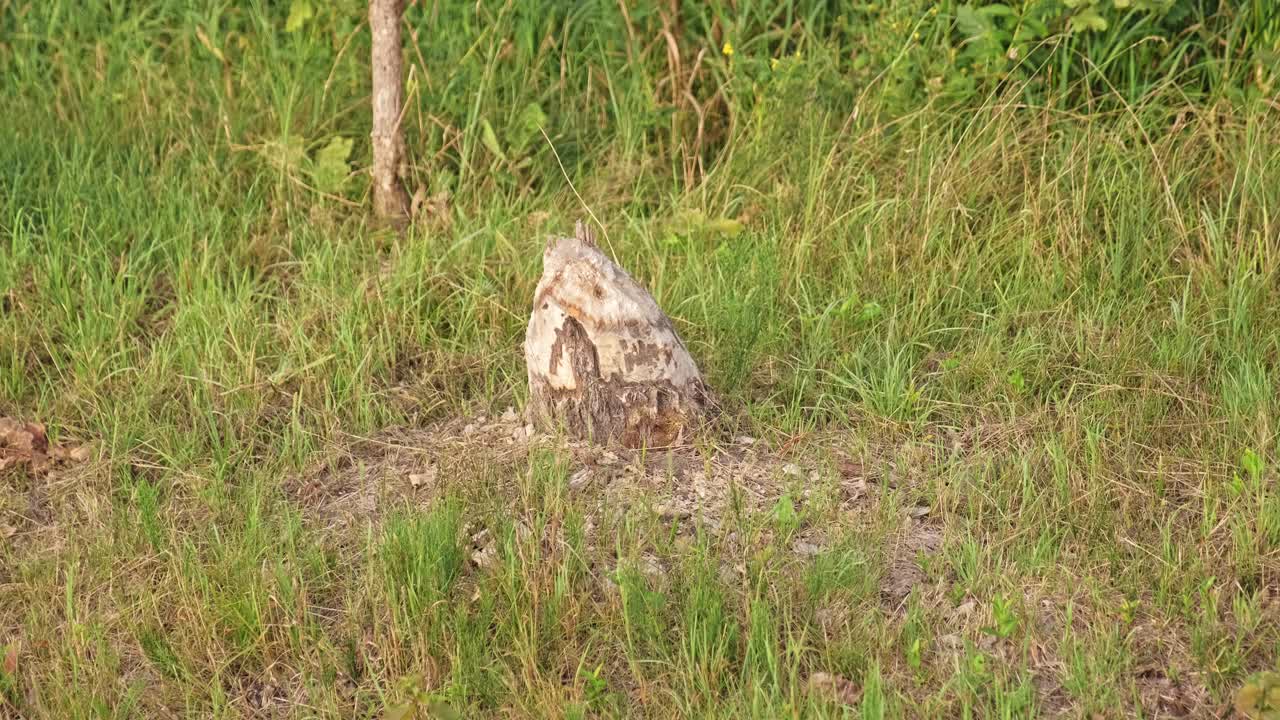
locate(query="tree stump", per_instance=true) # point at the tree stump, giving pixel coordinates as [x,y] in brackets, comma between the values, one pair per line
[605,364]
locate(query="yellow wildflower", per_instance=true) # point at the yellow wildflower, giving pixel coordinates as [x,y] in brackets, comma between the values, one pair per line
[727,50]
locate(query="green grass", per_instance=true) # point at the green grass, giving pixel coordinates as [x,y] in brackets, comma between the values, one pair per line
[1050,315]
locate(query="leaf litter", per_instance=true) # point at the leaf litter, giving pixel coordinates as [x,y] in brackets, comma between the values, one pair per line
[30,467]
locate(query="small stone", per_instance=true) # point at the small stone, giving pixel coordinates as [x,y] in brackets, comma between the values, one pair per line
[918,511]
[652,567]
[580,479]
[80,454]
[523,533]
[728,575]
[745,440]
[528,430]
[830,618]
[608,458]
[671,511]
[792,469]
[426,477]
[952,642]
[964,609]
[509,415]
[805,549]
[469,430]
[485,557]
[834,688]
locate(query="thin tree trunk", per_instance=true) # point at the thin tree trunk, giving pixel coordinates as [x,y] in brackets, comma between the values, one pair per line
[389,197]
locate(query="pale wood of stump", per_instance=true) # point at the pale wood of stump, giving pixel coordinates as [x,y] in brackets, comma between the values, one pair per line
[605,364]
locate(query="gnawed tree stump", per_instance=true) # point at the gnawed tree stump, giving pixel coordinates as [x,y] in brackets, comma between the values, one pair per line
[605,364]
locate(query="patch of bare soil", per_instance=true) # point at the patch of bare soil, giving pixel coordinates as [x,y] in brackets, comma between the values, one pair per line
[919,536]
[359,481]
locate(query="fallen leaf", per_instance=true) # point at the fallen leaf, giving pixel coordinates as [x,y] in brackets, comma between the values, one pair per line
[39,440]
[851,469]
[11,660]
[23,438]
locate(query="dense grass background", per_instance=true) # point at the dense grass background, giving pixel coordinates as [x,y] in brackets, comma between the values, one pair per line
[1046,277]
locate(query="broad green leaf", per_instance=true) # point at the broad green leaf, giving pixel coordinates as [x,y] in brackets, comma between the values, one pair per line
[300,11]
[1251,462]
[286,155]
[398,712]
[331,168]
[443,711]
[532,117]
[490,140]
[972,23]
[784,512]
[725,226]
[524,133]
[870,311]
[1088,19]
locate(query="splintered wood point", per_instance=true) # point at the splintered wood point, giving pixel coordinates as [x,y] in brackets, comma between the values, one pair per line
[605,364]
